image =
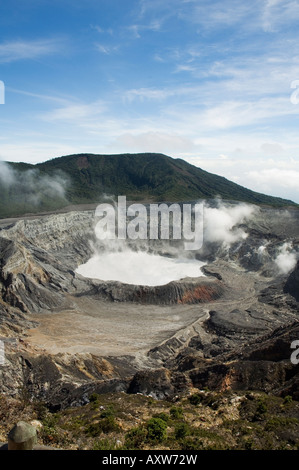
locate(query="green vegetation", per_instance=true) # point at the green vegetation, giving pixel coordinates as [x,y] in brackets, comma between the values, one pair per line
[156,430]
[86,178]
[247,421]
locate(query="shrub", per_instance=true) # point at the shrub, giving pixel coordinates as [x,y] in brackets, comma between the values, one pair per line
[163,416]
[195,399]
[49,432]
[287,399]
[261,407]
[260,411]
[108,412]
[135,438]
[94,400]
[189,443]
[94,397]
[181,430]
[276,423]
[176,412]
[106,444]
[156,429]
[105,425]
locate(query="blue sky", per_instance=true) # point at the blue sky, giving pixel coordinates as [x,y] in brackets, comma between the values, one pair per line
[207,81]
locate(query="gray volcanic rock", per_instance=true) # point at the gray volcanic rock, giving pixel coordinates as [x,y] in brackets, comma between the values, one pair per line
[186,291]
[65,382]
[235,322]
[159,383]
[38,258]
[22,436]
[262,365]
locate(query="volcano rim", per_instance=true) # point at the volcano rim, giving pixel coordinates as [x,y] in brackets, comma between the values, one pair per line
[188,290]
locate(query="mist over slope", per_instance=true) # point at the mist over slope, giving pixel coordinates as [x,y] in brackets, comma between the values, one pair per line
[85,178]
[24,188]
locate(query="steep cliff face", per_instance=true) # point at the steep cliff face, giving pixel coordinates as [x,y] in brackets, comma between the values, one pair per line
[68,234]
[38,258]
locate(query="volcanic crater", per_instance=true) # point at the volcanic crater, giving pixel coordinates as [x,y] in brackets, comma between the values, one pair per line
[67,335]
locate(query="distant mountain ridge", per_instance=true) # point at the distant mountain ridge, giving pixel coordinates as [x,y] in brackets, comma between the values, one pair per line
[85,178]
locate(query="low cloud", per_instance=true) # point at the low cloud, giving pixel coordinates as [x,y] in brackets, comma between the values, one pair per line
[31,186]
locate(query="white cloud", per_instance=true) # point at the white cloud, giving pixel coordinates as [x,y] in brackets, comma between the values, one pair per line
[277,13]
[36,151]
[106,49]
[137,29]
[75,112]
[273,179]
[153,141]
[272,148]
[20,50]
[148,94]
[277,176]
[101,30]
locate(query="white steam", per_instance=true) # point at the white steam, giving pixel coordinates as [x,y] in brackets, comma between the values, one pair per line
[221,223]
[6,174]
[139,268]
[31,186]
[286,259]
[261,250]
[122,261]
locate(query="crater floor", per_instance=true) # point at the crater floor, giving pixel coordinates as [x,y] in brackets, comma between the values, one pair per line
[110,329]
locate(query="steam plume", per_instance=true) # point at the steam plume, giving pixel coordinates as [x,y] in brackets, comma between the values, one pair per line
[221,223]
[31,186]
[286,259]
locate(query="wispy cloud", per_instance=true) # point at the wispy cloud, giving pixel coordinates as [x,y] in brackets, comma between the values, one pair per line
[40,96]
[277,13]
[138,29]
[76,112]
[101,30]
[201,80]
[20,50]
[260,15]
[154,141]
[147,94]
[106,49]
